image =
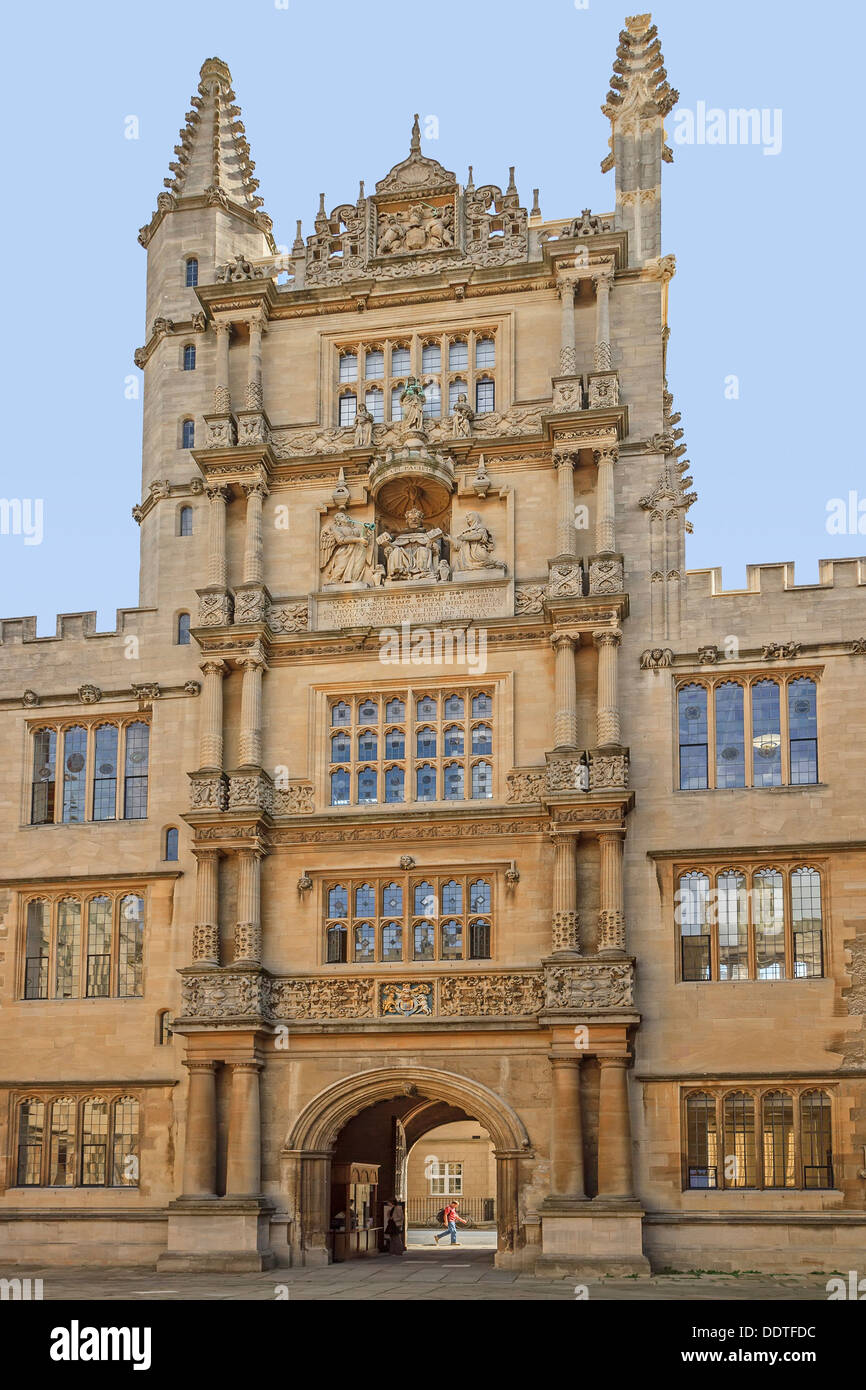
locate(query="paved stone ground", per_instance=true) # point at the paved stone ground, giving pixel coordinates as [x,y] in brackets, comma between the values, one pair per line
[425,1272]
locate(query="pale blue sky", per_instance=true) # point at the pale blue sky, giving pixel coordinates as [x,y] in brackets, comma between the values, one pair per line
[769,286]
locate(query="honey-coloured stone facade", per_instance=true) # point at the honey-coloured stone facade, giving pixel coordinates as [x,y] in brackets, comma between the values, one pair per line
[405,814]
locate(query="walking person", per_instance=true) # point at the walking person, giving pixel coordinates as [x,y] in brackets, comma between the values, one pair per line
[450,1218]
[395,1224]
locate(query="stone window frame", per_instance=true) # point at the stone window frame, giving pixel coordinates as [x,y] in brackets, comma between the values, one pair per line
[408,880]
[415,340]
[91,723]
[719,1092]
[445,1176]
[410,693]
[750,866]
[748,679]
[56,895]
[112,1096]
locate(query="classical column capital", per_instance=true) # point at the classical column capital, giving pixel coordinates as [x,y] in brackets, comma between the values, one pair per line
[251,661]
[199,1064]
[611,837]
[249,852]
[217,492]
[248,1065]
[559,640]
[613,1059]
[206,854]
[603,281]
[609,454]
[565,287]
[607,637]
[565,457]
[565,1059]
[221,326]
[214,666]
[256,488]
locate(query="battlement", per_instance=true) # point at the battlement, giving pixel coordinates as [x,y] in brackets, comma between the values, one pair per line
[778,578]
[71,627]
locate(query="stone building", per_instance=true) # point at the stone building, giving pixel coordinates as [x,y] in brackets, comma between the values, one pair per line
[425,783]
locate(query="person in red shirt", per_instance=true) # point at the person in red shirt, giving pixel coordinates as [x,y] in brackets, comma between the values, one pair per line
[449,1221]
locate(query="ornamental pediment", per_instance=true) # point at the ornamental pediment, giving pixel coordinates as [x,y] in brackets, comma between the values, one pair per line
[417,171]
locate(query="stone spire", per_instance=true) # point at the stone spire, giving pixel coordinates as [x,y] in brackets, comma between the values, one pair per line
[639,99]
[212,159]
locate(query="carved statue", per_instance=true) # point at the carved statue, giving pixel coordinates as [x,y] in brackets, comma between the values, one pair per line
[471,550]
[412,402]
[462,417]
[363,427]
[346,552]
[414,553]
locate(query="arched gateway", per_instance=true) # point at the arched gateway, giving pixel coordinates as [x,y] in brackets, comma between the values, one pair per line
[307,1154]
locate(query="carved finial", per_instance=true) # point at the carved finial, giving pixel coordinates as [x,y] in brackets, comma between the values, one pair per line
[512,186]
[536,210]
[298,243]
[415,144]
[470,183]
[361,191]
[340,494]
[321,215]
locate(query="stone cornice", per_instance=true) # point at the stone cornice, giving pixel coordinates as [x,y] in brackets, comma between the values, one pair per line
[802,851]
[165,491]
[146,875]
[44,708]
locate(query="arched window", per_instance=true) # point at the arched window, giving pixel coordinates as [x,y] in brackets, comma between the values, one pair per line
[807,924]
[452,940]
[485,396]
[135,772]
[702,1152]
[124,1143]
[453,741]
[816,1143]
[68,950]
[479,896]
[739,1117]
[191,273]
[453,781]
[425,782]
[691,912]
[348,409]
[425,743]
[44,777]
[338,938]
[777,1126]
[392,899]
[766,734]
[74,774]
[395,783]
[426,707]
[105,773]
[185,522]
[482,780]
[458,356]
[365,901]
[424,900]
[367,786]
[338,901]
[395,743]
[803,730]
[340,715]
[37,949]
[733,919]
[98,948]
[189,357]
[31,1135]
[61,1155]
[183,629]
[171,843]
[452,897]
[454,707]
[163,1028]
[368,744]
[692,713]
[375,403]
[397,403]
[188,434]
[340,787]
[94,1142]
[341,748]
[348,366]
[485,353]
[395,711]
[730,735]
[456,389]
[374,365]
[768,920]
[392,941]
[432,400]
[482,739]
[368,712]
[431,357]
[401,362]
[479,939]
[130,959]
[423,941]
[365,942]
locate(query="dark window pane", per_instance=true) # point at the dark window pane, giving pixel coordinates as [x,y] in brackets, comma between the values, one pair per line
[74,774]
[135,778]
[730,736]
[766,735]
[692,715]
[191,272]
[105,773]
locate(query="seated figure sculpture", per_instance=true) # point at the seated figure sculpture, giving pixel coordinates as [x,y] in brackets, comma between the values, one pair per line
[471,549]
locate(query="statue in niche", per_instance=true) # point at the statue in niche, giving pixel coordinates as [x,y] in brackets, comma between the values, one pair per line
[414,553]
[462,417]
[412,401]
[346,552]
[471,549]
[363,427]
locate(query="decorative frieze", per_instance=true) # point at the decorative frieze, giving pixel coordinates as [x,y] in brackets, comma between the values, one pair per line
[566,580]
[608,771]
[289,616]
[603,390]
[586,986]
[226,994]
[215,609]
[317,998]
[525,785]
[251,604]
[417,605]
[781,651]
[220,431]
[566,931]
[499,996]
[208,792]
[529,598]
[295,799]
[606,576]
[146,691]
[250,792]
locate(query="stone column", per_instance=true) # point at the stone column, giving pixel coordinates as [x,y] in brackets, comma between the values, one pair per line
[216,565]
[248,928]
[603,285]
[222,401]
[565,696]
[566,1130]
[253,549]
[211,730]
[615,1179]
[605,518]
[244,1158]
[254,372]
[206,932]
[567,362]
[608,724]
[199,1155]
[566,919]
[566,540]
[253,665]
[611,919]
